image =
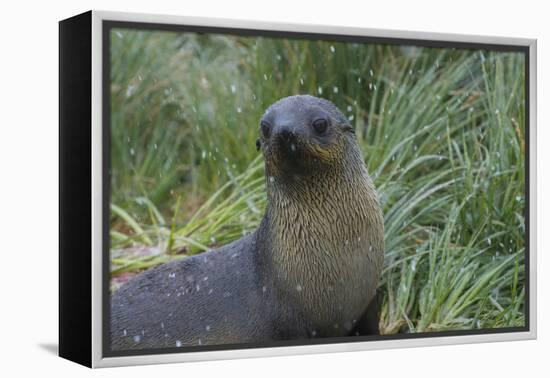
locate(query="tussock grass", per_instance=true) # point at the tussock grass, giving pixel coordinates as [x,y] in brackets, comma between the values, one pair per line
[442,132]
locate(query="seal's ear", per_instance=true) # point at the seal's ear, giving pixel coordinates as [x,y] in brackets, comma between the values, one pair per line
[349,128]
[258,144]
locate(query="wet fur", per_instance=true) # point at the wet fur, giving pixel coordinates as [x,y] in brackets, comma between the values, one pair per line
[310,270]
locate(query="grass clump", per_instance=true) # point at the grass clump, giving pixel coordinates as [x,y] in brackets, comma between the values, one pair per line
[442,132]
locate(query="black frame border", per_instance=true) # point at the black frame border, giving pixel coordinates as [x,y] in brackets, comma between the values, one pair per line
[75,189]
[108,25]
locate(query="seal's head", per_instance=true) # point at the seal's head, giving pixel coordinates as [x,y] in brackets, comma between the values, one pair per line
[300,135]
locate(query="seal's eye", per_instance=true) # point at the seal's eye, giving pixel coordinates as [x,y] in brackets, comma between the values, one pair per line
[320,125]
[266,129]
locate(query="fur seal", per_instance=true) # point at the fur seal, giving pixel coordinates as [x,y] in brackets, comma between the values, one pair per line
[310,270]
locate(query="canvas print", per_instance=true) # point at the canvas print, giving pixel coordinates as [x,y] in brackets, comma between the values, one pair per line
[270,190]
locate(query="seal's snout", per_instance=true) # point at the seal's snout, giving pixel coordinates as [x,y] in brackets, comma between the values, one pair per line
[285,135]
[287,140]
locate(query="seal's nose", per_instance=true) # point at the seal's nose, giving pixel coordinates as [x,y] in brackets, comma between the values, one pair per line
[285,134]
[286,139]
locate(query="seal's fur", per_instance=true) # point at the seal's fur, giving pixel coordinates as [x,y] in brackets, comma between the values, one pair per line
[311,268]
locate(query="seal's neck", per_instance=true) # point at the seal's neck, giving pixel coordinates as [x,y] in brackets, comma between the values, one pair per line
[327,210]
[318,231]
[326,193]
